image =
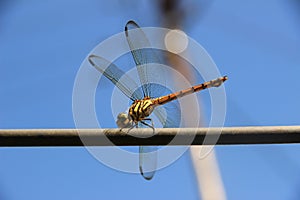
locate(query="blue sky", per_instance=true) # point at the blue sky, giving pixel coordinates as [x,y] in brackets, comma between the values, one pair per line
[43,44]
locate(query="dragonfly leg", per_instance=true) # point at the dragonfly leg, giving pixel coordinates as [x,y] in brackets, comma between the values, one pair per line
[148,119]
[131,127]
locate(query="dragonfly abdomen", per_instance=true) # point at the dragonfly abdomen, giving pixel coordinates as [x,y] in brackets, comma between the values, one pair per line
[213,83]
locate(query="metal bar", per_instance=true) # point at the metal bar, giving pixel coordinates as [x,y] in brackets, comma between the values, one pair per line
[136,137]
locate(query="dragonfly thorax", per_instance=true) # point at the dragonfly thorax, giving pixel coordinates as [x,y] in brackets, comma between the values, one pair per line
[138,111]
[141,109]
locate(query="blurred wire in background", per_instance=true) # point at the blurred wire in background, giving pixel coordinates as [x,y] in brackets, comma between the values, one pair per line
[175,16]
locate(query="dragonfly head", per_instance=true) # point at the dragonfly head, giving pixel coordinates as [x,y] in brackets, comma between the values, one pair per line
[124,120]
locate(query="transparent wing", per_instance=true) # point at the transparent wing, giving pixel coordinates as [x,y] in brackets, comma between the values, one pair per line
[169,114]
[118,77]
[149,73]
[143,56]
[148,161]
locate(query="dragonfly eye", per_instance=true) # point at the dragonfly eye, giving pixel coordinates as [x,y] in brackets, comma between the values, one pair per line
[124,121]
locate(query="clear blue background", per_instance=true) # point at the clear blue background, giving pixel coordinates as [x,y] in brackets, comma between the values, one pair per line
[42,44]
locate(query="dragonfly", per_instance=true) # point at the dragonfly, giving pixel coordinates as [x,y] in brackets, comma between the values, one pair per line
[146,98]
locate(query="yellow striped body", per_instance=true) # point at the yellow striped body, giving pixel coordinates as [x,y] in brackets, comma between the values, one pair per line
[141,109]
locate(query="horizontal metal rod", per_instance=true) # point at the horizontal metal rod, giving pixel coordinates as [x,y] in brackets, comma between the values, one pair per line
[162,136]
